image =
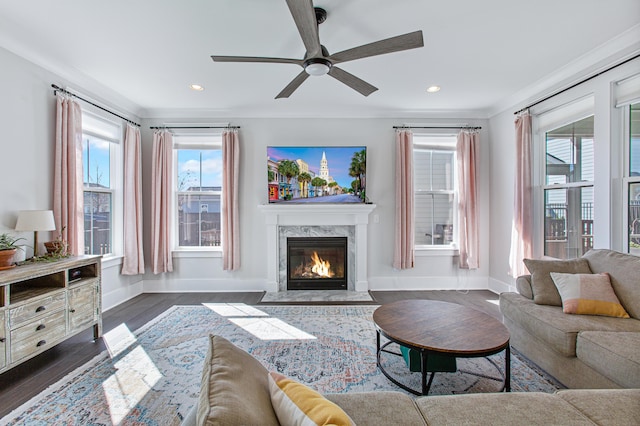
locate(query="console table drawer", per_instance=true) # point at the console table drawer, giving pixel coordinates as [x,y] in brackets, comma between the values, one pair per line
[39,327]
[37,342]
[36,308]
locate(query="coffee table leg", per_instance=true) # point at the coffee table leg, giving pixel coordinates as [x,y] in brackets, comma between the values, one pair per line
[423,368]
[507,369]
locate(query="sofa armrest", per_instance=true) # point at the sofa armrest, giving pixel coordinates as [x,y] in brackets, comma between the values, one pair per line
[523,285]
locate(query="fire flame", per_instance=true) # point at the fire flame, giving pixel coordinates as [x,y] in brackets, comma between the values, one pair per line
[321,267]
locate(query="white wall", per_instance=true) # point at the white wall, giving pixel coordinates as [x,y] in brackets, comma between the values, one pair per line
[27,120]
[431,272]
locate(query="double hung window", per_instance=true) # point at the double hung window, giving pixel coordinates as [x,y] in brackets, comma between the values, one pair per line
[632,125]
[100,153]
[198,189]
[568,189]
[434,158]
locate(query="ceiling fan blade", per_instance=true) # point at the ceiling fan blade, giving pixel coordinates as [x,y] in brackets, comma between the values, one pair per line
[255,59]
[389,45]
[352,81]
[305,18]
[291,87]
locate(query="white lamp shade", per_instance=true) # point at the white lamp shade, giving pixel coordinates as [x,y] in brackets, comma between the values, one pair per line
[35,220]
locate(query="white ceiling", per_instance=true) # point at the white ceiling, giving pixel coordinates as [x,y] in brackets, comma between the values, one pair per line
[485,55]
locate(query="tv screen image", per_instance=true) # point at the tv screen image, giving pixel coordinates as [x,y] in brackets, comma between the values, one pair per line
[317,174]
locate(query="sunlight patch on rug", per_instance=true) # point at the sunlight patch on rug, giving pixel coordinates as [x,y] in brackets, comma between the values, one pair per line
[271,329]
[235,310]
[118,340]
[135,376]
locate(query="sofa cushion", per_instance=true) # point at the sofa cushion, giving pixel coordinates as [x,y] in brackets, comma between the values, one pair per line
[297,404]
[624,270]
[234,389]
[610,407]
[554,327]
[530,408]
[616,354]
[376,408]
[544,291]
[588,294]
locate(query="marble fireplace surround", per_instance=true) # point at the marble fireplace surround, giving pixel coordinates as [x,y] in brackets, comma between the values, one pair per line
[323,220]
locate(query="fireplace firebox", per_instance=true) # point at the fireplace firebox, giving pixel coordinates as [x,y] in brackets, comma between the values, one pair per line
[317,263]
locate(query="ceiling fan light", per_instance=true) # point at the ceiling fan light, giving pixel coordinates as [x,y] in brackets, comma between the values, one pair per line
[317,67]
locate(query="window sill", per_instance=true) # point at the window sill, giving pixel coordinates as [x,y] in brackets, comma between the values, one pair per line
[424,251]
[111,261]
[197,253]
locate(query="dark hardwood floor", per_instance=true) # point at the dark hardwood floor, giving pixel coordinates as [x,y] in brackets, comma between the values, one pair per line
[25,381]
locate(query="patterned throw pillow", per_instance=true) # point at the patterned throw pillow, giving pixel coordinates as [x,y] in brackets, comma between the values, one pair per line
[588,294]
[297,404]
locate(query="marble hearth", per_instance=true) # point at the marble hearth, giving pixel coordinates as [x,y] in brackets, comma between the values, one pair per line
[317,220]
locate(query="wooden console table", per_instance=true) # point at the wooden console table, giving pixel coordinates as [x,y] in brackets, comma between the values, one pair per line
[45,303]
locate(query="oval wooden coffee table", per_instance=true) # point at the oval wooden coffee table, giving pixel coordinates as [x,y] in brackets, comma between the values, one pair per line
[441,328]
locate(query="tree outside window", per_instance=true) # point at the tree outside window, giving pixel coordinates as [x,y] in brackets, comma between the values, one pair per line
[199,188]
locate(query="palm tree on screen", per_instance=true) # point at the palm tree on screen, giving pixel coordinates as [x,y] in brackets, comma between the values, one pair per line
[289,169]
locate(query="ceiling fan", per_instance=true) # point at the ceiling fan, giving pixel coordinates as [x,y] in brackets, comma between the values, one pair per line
[317,61]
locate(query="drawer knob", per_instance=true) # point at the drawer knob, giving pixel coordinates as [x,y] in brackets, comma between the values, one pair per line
[2,340]
[40,308]
[41,327]
[41,342]
[72,310]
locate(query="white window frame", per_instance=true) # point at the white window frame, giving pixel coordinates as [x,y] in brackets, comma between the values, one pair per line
[116,179]
[627,180]
[420,141]
[199,141]
[575,111]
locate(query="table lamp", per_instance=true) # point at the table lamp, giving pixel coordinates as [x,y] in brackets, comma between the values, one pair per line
[35,220]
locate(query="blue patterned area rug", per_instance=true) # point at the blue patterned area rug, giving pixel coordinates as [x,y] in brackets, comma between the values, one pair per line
[152,376]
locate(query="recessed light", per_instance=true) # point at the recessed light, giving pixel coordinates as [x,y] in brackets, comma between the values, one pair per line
[196,87]
[433,89]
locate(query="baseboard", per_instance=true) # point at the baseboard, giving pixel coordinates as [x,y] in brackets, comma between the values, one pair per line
[172,285]
[427,283]
[498,287]
[120,295]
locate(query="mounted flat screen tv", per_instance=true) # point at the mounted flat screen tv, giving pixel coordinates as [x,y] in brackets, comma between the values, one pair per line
[317,174]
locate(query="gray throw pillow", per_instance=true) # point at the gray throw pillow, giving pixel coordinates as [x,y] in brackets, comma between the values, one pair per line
[234,389]
[544,290]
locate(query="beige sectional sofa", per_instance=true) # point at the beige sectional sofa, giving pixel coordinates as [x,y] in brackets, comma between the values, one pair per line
[581,351]
[235,391]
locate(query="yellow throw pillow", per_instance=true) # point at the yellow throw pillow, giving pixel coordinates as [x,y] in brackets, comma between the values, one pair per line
[297,404]
[588,294]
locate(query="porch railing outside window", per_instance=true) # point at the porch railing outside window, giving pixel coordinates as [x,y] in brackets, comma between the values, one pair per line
[558,233]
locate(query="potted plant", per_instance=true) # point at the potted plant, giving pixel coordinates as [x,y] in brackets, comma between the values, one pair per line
[8,248]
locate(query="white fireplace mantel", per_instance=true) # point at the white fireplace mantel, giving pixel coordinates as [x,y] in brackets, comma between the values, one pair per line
[356,215]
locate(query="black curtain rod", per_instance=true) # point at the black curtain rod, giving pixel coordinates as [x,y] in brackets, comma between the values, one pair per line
[577,84]
[60,89]
[438,127]
[189,127]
